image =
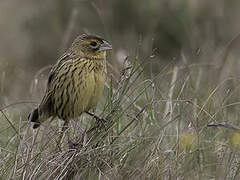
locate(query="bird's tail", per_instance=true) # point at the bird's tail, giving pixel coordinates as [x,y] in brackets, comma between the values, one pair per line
[34,117]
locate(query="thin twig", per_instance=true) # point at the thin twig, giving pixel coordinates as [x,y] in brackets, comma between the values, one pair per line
[225,125]
[16,103]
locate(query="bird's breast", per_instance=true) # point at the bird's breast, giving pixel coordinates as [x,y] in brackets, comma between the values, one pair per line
[93,77]
[98,78]
[77,87]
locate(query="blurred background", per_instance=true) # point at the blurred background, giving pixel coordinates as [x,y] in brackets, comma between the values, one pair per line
[34,34]
[188,78]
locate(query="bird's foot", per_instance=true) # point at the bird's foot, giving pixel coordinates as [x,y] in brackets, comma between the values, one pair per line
[73,145]
[100,121]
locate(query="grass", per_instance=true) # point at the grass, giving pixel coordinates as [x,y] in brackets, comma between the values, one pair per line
[156,129]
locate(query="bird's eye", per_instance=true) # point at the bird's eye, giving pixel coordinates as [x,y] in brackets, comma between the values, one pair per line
[93,43]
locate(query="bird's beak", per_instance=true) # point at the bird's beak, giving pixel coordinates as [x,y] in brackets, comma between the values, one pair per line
[105,46]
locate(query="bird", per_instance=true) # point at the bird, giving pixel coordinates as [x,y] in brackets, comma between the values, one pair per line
[75,83]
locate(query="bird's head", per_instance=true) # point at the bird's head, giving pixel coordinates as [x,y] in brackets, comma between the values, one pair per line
[90,46]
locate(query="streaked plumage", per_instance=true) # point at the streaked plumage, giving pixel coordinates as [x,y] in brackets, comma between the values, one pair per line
[76,82]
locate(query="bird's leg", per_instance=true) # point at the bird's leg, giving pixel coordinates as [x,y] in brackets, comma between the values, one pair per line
[79,141]
[99,120]
[64,127]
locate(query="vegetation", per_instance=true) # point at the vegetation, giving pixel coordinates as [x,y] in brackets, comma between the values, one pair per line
[171,113]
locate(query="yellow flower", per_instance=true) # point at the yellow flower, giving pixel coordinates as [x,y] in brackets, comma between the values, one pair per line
[188,140]
[235,139]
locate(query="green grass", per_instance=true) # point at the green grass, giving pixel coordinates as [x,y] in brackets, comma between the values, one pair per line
[156,129]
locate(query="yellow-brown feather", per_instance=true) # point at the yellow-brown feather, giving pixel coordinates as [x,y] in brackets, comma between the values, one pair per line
[77,86]
[75,82]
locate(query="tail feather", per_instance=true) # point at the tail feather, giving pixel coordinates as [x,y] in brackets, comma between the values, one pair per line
[34,117]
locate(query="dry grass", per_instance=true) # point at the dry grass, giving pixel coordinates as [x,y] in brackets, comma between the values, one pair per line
[177,121]
[156,129]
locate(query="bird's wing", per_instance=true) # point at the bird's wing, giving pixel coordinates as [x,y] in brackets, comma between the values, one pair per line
[45,104]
